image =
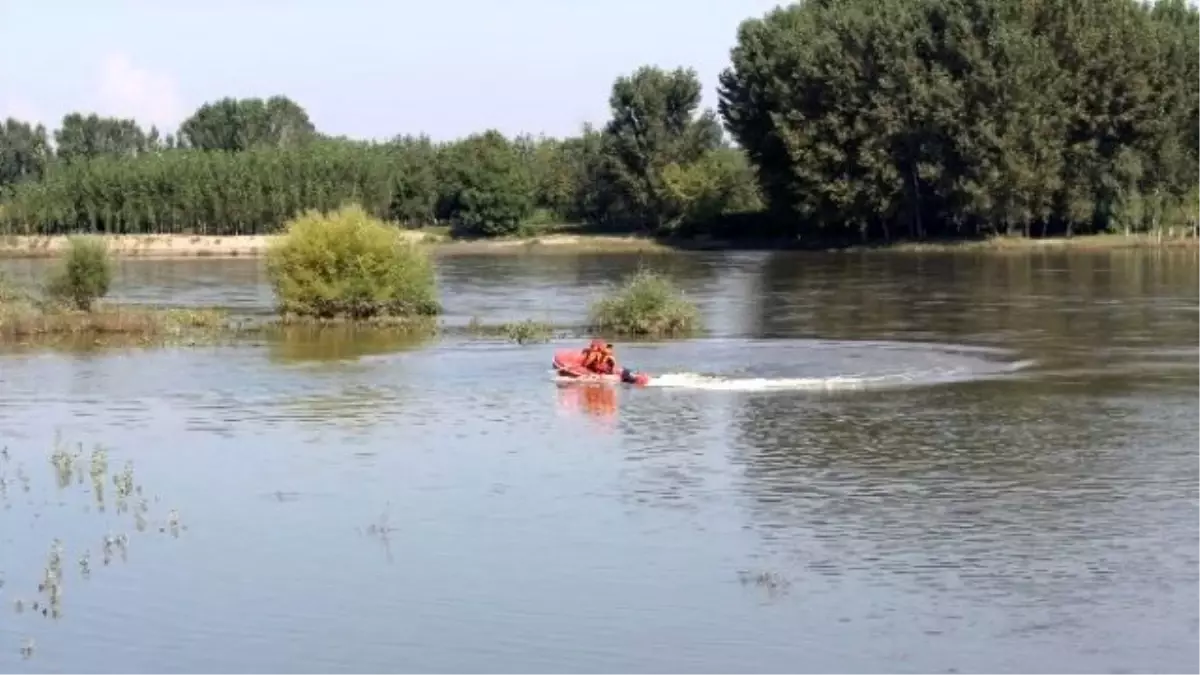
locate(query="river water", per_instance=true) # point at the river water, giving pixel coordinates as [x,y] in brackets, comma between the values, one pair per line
[868,463]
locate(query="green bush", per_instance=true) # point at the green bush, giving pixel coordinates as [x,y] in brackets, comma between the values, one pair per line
[83,274]
[347,264]
[646,304]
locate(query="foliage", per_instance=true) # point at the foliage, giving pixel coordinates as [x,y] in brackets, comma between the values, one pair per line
[645,304]
[247,166]
[854,120]
[24,152]
[489,188]
[82,137]
[240,124]
[348,264]
[719,183]
[875,119]
[652,128]
[83,274]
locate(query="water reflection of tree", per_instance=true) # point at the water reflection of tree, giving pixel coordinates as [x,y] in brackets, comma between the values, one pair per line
[999,484]
[354,398]
[299,343]
[1049,304]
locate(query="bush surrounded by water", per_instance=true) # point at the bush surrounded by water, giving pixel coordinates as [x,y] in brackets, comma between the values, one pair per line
[645,304]
[83,274]
[347,264]
[25,317]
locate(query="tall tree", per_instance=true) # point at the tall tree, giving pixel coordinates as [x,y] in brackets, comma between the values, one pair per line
[654,124]
[24,152]
[240,124]
[85,137]
[873,118]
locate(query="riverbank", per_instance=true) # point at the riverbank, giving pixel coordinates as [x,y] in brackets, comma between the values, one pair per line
[161,246]
[196,246]
[1094,242]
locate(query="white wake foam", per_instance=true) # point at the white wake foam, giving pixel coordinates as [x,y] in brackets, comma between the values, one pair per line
[711,383]
[831,383]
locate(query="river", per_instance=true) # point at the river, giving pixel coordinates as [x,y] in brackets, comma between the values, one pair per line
[868,463]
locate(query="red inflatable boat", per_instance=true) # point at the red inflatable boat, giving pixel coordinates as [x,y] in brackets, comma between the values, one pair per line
[569,363]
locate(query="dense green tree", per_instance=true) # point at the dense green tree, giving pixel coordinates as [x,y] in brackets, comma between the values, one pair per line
[85,137]
[488,188]
[654,125]
[24,152]
[240,124]
[879,118]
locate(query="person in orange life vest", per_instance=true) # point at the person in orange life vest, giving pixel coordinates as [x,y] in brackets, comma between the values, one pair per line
[598,358]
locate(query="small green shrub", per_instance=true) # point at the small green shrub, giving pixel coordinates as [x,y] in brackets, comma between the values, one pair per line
[348,264]
[646,304]
[83,274]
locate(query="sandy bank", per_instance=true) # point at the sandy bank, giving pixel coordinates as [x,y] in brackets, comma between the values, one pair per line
[194,246]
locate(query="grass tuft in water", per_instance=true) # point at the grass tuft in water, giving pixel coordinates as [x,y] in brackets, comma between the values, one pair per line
[348,264]
[523,332]
[43,596]
[646,304]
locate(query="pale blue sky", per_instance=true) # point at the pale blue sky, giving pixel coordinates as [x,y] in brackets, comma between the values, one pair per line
[364,68]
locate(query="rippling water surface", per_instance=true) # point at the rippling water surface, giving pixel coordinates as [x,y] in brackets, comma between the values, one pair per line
[868,463]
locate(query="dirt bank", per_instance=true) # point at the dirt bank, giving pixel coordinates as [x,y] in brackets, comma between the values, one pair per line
[194,246]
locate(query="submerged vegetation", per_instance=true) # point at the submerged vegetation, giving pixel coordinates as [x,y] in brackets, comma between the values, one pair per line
[645,304]
[87,477]
[522,332]
[345,264]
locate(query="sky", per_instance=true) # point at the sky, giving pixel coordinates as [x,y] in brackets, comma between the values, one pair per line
[362,68]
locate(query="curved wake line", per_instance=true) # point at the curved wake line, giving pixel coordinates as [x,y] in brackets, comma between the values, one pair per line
[832,383]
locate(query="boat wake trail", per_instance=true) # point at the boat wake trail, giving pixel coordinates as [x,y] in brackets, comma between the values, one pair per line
[847,382]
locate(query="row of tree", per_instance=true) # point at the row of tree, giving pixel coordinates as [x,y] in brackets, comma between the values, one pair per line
[246,166]
[856,119]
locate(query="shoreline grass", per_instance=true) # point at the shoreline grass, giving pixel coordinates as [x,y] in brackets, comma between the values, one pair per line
[28,323]
[107,324]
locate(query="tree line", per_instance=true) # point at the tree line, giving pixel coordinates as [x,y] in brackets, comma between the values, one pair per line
[837,120]
[246,166]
